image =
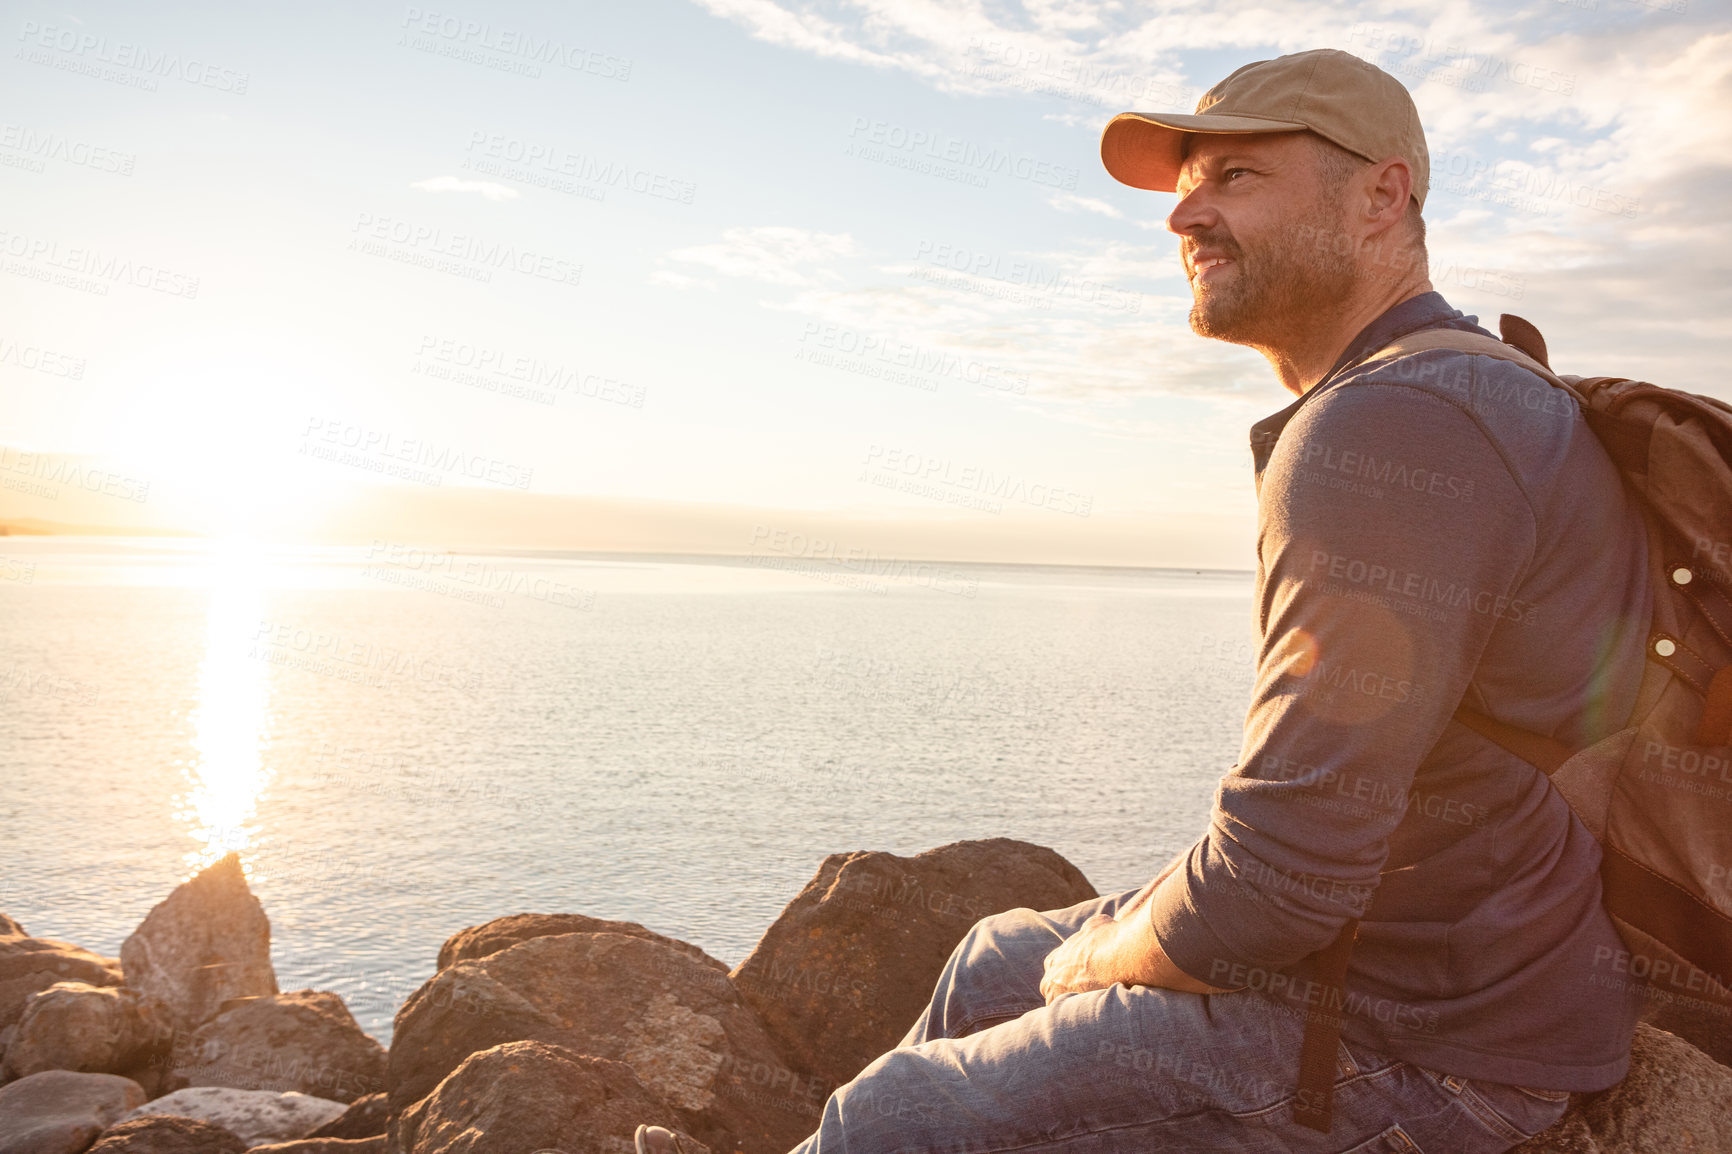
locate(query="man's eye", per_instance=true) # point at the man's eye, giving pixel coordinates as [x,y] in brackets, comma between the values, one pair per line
[1228,175]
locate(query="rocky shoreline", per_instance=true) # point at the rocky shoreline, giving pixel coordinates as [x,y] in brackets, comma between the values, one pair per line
[561,1032]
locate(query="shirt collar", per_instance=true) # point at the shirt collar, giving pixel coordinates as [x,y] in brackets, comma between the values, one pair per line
[1425,311]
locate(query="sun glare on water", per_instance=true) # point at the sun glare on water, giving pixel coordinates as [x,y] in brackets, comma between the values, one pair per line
[227,773]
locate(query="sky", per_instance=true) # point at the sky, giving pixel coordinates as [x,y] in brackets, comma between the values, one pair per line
[694,274]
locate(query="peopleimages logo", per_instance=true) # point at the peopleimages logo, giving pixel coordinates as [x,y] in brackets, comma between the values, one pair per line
[104,268]
[87,48]
[536,156]
[529,49]
[1364,682]
[497,369]
[1658,971]
[1371,576]
[1386,472]
[1071,77]
[870,137]
[1460,64]
[477,574]
[875,355]
[52,471]
[947,473]
[40,360]
[1310,992]
[53,146]
[817,557]
[347,443]
[1024,281]
[407,238]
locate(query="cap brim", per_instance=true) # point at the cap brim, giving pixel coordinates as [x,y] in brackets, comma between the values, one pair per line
[1142,149]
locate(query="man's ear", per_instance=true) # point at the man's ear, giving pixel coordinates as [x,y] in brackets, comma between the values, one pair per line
[1385,190]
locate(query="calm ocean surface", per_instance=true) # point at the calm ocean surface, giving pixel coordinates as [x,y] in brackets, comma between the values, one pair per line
[401,744]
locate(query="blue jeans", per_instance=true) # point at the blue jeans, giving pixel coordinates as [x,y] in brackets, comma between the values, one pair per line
[991,1068]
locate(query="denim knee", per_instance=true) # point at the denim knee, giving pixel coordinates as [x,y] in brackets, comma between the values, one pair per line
[1005,923]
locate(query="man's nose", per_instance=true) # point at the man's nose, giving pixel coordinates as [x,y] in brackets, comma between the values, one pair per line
[1193,212]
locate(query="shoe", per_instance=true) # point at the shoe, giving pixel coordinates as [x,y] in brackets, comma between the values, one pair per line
[661,1140]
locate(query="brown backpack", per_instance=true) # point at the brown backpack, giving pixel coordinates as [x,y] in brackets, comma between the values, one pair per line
[1657,793]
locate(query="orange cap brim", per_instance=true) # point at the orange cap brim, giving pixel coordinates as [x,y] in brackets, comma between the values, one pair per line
[1145,150]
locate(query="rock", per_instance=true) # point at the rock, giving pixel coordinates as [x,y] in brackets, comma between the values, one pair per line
[168,1134]
[502,933]
[306,1041]
[1705,1023]
[376,1145]
[29,964]
[364,1118]
[96,1029]
[257,1116]
[850,963]
[62,1112]
[678,1023]
[529,1096]
[1680,998]
[205,943]
[1676,1100]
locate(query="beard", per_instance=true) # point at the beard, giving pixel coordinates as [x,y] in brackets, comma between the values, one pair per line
[1276,285]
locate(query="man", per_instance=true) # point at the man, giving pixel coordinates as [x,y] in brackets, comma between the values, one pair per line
[1433,528]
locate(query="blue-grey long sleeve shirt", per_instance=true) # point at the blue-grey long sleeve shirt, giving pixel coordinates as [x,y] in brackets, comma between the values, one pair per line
[1432,529]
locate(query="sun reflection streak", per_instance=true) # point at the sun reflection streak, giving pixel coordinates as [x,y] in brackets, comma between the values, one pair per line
[228,773]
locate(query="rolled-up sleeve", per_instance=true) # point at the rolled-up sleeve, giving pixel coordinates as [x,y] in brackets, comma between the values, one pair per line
[1392,538]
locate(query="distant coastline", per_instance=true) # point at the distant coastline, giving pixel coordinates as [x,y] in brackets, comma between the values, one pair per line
[36,527]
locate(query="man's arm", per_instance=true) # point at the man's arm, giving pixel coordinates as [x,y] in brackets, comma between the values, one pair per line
[1392,539]
[1376,603]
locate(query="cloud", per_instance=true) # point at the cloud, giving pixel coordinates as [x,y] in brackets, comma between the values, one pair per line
[1071,202]
[775,254]
[1078,51]
[1090,334]
[486,188]
[679,280]
[1595,140]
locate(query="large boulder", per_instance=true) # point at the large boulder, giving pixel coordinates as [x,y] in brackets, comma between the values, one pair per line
[530,1096]
[379,1144]
[1704,1022]
[1676,1100]
[848,966]
[94,1029]
[256,1116]
[365,1118]
[29,964]
[502,933]
[205,943]
[168,1134]
[306,1040]
[61,1112]
[676,1022]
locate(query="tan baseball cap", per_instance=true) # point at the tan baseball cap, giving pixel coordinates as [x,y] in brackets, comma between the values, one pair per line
[1335,94]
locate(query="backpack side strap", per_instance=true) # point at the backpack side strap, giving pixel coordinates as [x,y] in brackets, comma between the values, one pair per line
[1314,1105]
[1544,753]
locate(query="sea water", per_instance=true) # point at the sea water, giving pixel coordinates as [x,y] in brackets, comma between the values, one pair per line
[401,743]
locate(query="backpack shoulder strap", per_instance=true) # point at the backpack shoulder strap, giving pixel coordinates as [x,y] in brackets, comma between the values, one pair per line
[1475,344]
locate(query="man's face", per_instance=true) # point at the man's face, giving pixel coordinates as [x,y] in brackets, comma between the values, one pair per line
[1251,212]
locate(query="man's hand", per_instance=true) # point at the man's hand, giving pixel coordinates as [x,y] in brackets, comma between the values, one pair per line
[1082,961]
[1123,949]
